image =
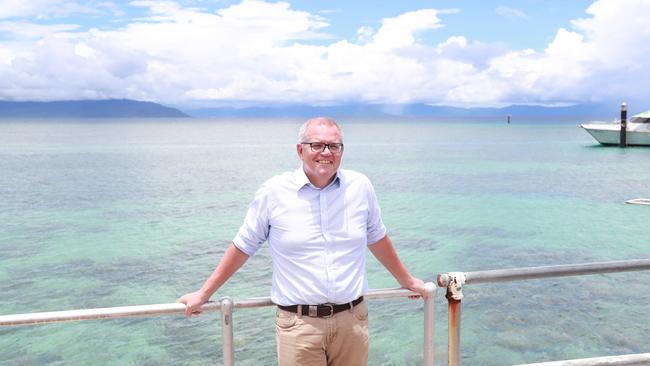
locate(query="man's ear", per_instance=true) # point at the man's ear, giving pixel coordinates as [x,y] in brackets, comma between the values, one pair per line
[299,150]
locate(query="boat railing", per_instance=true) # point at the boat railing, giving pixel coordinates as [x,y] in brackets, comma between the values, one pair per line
[452,281]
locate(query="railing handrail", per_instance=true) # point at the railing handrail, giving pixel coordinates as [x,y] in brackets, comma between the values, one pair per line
[455,281]
[159,309]
[225,306]
[526,273]
[636,359]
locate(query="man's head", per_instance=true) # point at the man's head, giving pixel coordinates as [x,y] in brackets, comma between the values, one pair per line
[316,139]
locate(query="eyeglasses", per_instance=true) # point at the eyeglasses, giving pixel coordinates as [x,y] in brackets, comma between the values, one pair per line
[335,147]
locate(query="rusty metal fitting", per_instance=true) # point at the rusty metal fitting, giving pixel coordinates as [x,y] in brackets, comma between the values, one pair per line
[455,283]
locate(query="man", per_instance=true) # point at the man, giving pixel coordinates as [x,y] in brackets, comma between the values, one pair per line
[318,221]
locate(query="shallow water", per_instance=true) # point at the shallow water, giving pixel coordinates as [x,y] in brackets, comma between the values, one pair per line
[111,213]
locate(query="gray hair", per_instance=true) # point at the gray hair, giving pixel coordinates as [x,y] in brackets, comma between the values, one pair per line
[302,132]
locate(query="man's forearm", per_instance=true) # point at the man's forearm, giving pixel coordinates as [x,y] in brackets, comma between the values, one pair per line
[231,261]
[384,251]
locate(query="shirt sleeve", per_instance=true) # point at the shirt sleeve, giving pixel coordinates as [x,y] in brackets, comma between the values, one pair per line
[375,229]
[255,229]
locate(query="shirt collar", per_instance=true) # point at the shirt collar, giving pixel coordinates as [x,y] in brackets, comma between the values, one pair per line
[302,180]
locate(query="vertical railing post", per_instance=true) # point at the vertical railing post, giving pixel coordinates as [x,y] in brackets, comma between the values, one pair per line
[454,331]
[227,331]
[429,324]
[454,295]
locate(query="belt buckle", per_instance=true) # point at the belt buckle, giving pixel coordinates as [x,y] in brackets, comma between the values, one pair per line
[331,307]
[313,311]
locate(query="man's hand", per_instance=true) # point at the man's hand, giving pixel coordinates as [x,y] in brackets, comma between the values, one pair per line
[193,302]
[232,259]
[384,251]
[416,285]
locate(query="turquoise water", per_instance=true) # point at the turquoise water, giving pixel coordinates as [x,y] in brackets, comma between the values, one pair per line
[112,213]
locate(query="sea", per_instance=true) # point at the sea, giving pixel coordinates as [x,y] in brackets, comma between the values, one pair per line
[103,213]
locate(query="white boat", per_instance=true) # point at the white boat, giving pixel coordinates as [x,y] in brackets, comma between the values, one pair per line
[608,133]
[639,201]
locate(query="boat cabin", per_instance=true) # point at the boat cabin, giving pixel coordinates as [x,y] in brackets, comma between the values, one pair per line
[641,117]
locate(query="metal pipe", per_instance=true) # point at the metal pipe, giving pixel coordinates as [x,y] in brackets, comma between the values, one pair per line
[429,324]
[227,331]
[622,360]
[253,302]
[159,309]
[100,313]
[387,293]
[454,333]
[225,305]
[514,274]
[454,296]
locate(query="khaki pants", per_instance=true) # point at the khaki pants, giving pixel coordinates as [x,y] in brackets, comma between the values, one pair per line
[341,340]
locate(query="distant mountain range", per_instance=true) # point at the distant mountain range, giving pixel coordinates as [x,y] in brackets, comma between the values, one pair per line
[410,110]
[124,108]
[112,108]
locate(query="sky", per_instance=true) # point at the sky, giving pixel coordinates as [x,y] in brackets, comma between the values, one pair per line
[202,53]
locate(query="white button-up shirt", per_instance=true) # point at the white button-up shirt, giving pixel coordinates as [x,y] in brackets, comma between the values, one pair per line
[317,237]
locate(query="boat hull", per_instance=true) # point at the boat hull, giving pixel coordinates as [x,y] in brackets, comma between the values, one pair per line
[638,134]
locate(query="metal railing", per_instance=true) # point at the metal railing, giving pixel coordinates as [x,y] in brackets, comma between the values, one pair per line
[454,282]
[622,360]
[225,305]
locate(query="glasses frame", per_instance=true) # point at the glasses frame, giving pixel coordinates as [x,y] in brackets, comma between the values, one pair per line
[325,146]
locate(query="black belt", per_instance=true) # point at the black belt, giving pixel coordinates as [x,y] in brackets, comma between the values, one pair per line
[322,310]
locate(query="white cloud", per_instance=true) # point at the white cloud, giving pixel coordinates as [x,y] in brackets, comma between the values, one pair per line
[603,59]
[21,8]
[34,31]
[44,9]
[400,31]
[256,51]
[364,34]
[510,12]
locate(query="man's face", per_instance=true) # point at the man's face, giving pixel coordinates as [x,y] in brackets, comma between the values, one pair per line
[321,166]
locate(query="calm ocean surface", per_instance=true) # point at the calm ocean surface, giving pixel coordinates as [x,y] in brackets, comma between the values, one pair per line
[113,213]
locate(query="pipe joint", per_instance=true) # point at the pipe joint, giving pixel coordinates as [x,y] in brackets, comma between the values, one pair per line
[226,310]
[455,283]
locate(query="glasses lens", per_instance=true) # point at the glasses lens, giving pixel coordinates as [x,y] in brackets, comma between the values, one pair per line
[317,146]
[335,148]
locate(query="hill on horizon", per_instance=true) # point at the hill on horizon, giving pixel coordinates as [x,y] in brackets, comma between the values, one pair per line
[126,108]
[409,110]
[109,108]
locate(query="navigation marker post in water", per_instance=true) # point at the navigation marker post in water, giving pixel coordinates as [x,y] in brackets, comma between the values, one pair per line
[623,137]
